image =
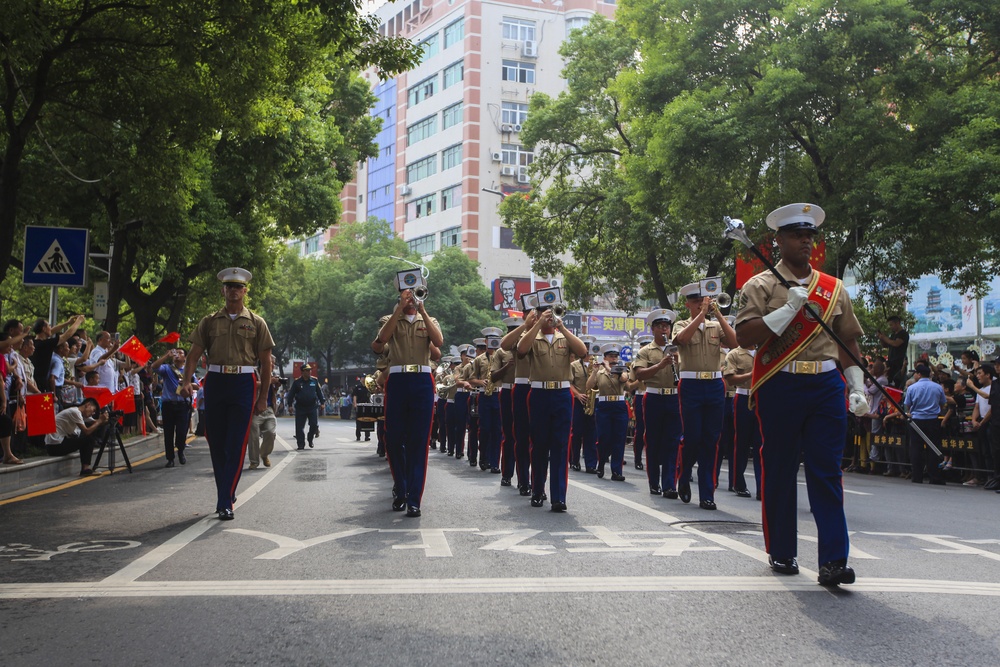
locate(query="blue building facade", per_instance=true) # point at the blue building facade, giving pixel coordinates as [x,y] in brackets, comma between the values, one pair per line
[382,169]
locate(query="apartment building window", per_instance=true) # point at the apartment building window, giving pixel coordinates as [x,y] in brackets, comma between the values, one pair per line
[516,155]
[421,169]
[518,29]
[451,157]
[451,116]
[513,113]
[514,70]
[387,151]
[421,130]
[450,198]
[430,47]
[312,244]
[454,33]
[422,90]
[451,237]
[507,239]
[420,207]
[576,23]
[422,245]
[453,74]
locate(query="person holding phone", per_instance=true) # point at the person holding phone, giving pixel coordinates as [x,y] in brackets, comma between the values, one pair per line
[175,407]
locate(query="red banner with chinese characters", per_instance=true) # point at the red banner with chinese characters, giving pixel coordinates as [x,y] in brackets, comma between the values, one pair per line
[40,411]
[747,264]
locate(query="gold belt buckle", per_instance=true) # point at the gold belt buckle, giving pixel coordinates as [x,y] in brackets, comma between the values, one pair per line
[806,367]
[551,385]
[230,370]
[412,368]
[705,375]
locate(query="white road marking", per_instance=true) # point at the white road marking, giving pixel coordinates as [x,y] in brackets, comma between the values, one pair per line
[472,586]
[290,545]
[856,493]
[855,552]
[434,541]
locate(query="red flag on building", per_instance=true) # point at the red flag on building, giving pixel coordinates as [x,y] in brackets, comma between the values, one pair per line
[124,400]
[135,351]
[40,412]
[747,264]
[102,395]
[171,337]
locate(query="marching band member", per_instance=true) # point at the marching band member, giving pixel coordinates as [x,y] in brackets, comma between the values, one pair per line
[502,367]
[702,391]
[476,384]
[408,334]
[736,371]
[489,404]
[612,413]
[638,389]
[584,431]
[800,393]
[548,344]
[458,415]
[522,387]
[655,367]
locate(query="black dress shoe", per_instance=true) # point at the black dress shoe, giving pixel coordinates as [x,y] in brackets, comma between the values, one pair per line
[576,467]
[483,466]
[311,444]
[600,470]
[591,471]
[835,573]
[225,515]
[536,501]
[684,492]
[180,457]
[758,495]
[655,490]
[707,505]
[170,464]
[300,448]
[459,455]
[524,491]
[743,493]
[670,493]
[495,471]
[783,565]
[732,490]
[617,477]
[638,465]
[398,504]
[412,511]
[558,506]
[504,481]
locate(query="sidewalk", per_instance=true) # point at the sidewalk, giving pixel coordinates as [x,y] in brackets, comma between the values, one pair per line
[42,472]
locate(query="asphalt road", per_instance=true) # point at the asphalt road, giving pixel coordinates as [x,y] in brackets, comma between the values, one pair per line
[134,569]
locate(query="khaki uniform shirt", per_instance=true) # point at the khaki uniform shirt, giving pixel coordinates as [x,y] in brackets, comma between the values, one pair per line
[481,366]
[649,356]
[609,385]
[410,343]
[242,341]
[501,357]
[522,365]
[549,361]
[738,362]
[701,353]
[764,294]
[579,374]
[465,372]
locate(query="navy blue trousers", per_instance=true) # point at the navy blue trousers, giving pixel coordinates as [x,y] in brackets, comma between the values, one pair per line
[229,401]
[584,436]
[639,439]
[472,425]
[702,405]
[612,427]
[507,433]
[522,435]
[663,438]
[489,429]
[456,423]
[551,414]
[409,408]
[803,415]
[747,443]
[726,440]
[302,415]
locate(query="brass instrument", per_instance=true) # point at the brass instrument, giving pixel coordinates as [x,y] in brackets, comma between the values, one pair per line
[420,293]
[559,310]
[370,384]
[490,387]
[724,300]
[591,404]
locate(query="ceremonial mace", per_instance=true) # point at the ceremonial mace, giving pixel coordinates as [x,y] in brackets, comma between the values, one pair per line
[736,230]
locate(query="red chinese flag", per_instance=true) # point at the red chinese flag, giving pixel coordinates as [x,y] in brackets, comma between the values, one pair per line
[135,351]
[125,400]
[171,337]
[747,264]
[102,395]
[40,411]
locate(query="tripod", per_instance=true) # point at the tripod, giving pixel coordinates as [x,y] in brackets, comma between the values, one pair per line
[113,429]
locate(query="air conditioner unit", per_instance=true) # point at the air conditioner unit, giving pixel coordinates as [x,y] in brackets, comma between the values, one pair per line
[507,127]
[530,48]
[405,190]
[523,178]
[507,171]
[517,127]
[496,156]
[552,283]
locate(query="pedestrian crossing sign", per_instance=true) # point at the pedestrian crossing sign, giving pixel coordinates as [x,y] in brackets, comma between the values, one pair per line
[56,256]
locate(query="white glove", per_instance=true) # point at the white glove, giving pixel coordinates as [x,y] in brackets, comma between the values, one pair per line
[856,401]
[779,320]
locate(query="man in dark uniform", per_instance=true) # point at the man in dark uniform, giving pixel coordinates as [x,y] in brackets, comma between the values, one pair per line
[236,342]
[407,335]
[654,365]
[360,395]
[306,395]
[799,392]
[897,340]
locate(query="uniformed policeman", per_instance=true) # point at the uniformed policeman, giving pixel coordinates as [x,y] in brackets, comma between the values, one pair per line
[548,344]
[236,342]
[702,391]
[475,385]
[612,413]
[638,390]
[489,403]
[584,431]
[522,387]
[736,371]
[305,394]
[502,367]
[458,415]
[407,335]
[654,365]
[799,392]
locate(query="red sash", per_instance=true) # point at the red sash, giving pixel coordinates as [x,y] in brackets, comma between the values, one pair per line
[777,351]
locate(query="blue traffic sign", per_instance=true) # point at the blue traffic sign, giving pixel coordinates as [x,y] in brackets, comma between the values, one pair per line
[626,354]
[56,256]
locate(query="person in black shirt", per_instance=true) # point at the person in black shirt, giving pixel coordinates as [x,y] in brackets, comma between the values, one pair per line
[360,395]
[46,342]
[897,341]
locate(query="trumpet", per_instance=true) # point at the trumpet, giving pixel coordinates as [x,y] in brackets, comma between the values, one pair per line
[559,310]
[420,293]
[724,300]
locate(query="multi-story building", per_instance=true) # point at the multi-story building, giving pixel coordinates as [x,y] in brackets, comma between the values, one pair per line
[450,144]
